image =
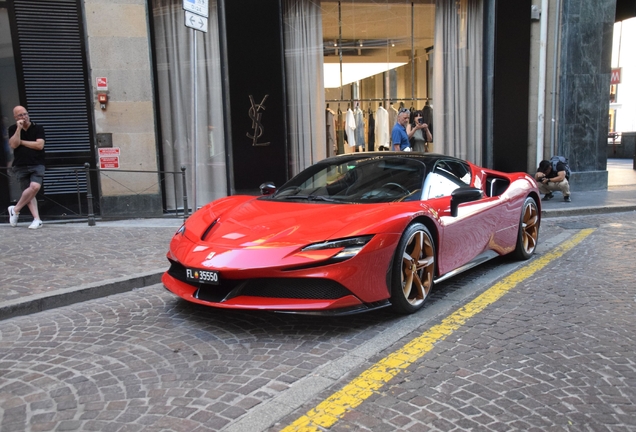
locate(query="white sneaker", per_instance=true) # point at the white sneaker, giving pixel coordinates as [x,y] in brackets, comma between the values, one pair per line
[37,223]
[13,216]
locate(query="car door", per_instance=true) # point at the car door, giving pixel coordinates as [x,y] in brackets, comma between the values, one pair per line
[467,235]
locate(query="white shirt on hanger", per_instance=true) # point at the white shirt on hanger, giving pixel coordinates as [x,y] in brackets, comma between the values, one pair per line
[350,128]
[382,131]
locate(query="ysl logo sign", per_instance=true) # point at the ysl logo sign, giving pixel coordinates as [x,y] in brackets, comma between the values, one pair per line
[255,114]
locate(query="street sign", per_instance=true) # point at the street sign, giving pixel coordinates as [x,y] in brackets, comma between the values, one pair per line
[196,22]
[199,7]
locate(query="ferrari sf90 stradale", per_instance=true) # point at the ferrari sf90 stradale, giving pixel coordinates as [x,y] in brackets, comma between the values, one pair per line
[353,233]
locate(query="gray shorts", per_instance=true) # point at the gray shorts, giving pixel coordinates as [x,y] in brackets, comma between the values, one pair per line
[29,174]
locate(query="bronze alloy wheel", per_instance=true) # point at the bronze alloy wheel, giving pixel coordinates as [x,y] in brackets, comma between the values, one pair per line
[528,230]
[414,269]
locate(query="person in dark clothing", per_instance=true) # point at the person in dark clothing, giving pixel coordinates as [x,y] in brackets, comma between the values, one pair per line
[550,180]
[27,141]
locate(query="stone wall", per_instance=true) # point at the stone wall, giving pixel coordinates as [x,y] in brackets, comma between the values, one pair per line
[119,49]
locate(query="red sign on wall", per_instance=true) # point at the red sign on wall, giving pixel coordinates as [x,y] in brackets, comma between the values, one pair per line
[616,76]
[108,157]
[102,83]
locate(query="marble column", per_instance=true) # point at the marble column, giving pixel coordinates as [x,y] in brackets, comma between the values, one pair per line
[584,85]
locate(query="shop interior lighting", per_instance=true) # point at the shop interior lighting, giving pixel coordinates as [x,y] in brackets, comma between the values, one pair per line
[352,72]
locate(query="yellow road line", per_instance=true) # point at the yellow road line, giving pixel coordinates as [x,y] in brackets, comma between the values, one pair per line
[332,409]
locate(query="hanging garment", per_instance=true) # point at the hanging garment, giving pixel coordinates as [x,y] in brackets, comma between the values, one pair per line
[427,115]
[371,132]
[392,116]
[340,128]
[359,118]
[382,135]
[332,148]
[350,128]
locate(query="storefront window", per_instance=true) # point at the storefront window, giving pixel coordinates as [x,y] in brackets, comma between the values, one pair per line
[376,54]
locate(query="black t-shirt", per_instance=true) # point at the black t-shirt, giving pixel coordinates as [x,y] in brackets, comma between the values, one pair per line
[560,166]
[22,155]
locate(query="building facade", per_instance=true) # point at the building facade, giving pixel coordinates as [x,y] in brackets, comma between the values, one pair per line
[157,105]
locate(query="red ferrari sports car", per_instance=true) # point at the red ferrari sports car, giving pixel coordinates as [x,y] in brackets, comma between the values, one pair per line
[353,233]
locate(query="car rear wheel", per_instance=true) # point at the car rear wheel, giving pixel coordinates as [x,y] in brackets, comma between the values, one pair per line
[528,230]
[413,269]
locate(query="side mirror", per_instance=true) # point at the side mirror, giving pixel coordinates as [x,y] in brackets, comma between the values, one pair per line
[462,195]
[268,188]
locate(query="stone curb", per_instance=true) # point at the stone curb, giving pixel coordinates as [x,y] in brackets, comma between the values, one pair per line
[583,211]
[68,296]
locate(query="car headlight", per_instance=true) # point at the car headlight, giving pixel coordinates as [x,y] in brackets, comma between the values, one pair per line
[351,246]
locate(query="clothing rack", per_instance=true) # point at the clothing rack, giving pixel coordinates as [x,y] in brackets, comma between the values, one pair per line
[378,100]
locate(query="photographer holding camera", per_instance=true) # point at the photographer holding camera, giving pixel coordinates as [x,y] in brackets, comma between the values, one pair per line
[550,180]
[421,135]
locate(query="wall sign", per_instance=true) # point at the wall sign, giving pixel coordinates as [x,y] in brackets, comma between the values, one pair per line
[101,83]
[108,157]
[255,114]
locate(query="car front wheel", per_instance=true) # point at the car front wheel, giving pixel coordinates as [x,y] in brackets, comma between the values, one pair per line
[413,269]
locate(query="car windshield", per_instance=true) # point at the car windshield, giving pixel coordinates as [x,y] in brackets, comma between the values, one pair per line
[367,180]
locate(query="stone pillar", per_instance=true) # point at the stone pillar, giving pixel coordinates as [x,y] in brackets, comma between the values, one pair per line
[586,48]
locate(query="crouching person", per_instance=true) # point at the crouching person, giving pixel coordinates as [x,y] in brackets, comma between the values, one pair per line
[551,180]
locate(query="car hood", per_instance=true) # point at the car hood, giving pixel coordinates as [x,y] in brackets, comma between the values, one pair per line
[255,223]
[247,233]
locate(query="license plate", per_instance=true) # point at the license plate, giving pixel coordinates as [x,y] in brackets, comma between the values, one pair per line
[203,276]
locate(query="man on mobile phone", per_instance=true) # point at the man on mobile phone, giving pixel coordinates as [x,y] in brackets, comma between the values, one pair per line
[27,141]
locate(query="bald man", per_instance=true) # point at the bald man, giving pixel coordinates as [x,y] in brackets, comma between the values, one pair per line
[27,141]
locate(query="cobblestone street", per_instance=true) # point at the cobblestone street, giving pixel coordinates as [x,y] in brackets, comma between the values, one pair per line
[555,353]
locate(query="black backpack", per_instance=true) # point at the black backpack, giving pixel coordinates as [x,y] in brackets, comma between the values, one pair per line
[556,159]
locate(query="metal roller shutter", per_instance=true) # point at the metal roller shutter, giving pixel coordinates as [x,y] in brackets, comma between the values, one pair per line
[53,67]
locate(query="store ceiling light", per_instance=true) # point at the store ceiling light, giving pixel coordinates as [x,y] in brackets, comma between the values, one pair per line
[352,72]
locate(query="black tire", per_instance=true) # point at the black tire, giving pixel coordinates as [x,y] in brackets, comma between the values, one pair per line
[413,269]
[528,235]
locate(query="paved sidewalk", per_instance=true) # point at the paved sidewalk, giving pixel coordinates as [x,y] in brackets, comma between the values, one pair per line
[64,263]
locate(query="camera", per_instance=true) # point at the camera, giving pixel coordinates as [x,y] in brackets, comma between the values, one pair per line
[420,120]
